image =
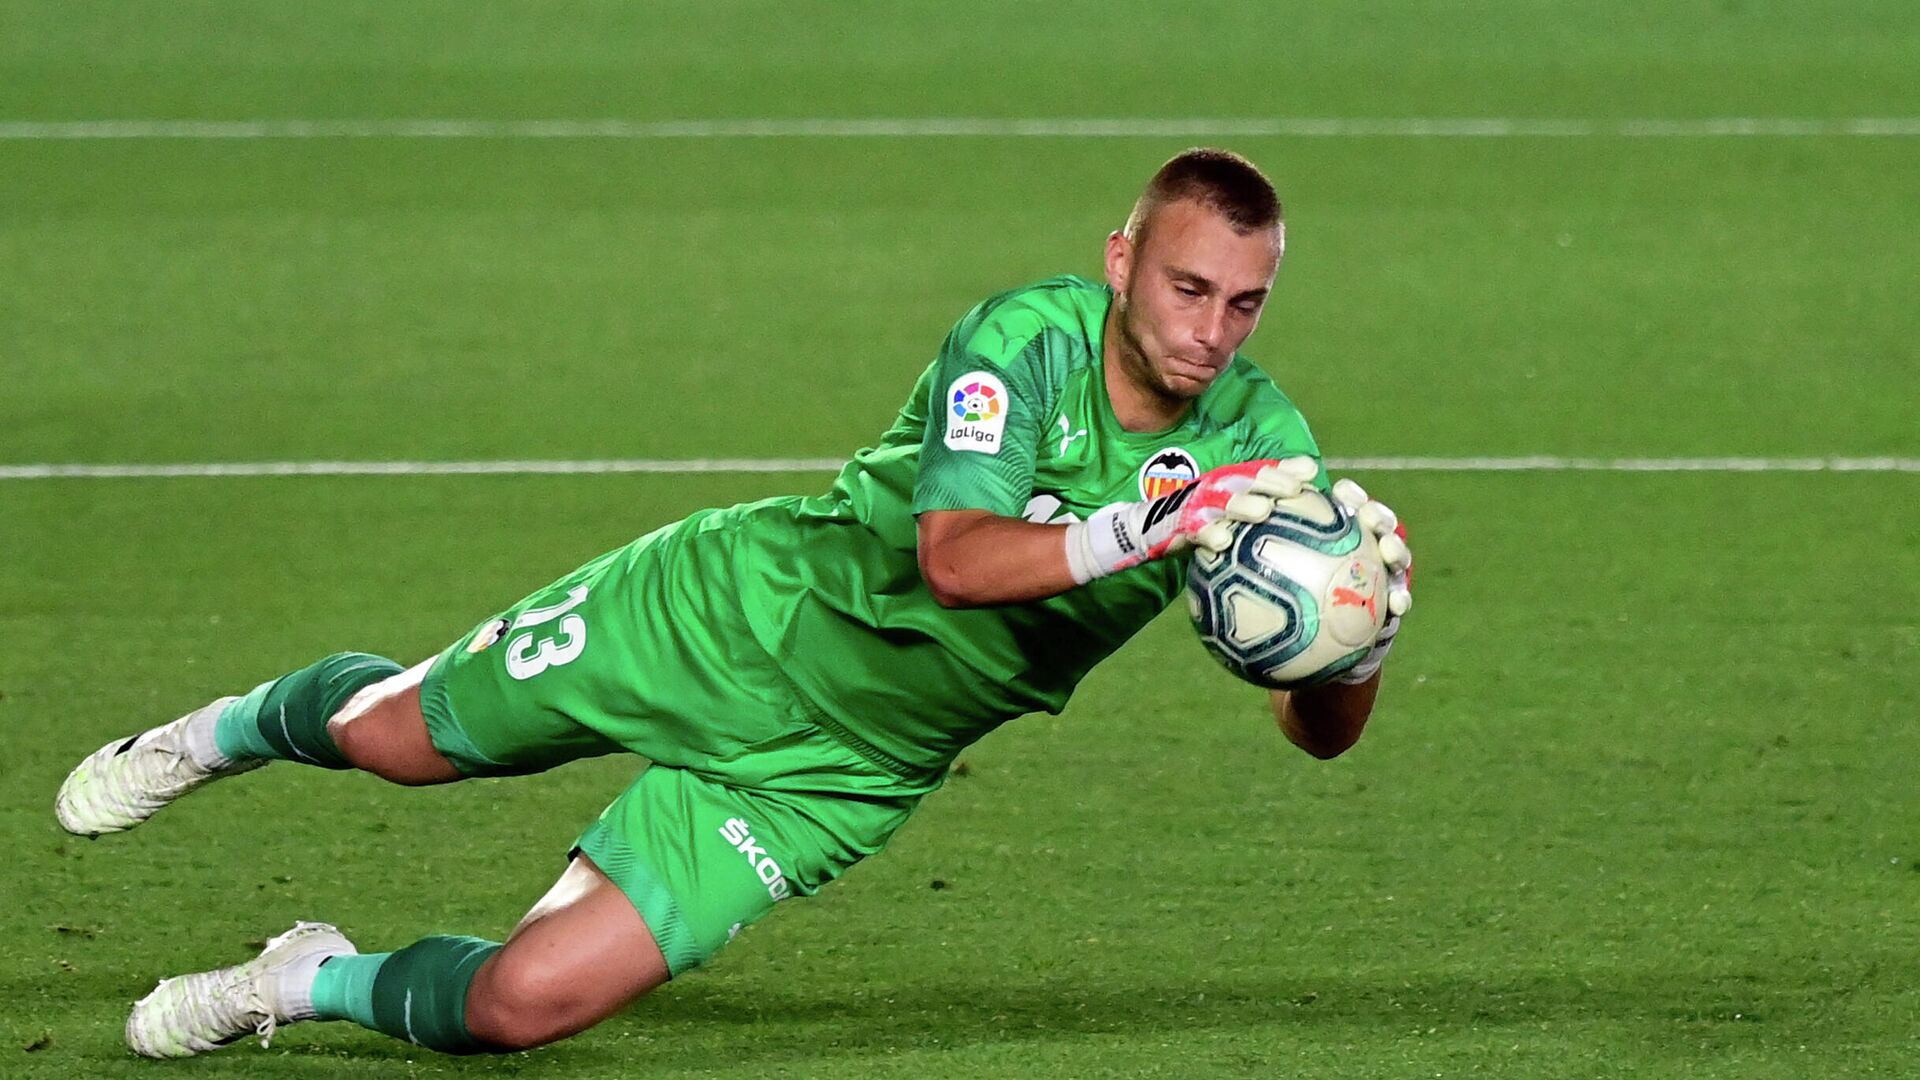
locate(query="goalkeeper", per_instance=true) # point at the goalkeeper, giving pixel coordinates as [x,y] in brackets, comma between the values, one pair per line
[800,672]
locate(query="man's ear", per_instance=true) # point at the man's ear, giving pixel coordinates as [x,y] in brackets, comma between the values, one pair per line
[1119,261]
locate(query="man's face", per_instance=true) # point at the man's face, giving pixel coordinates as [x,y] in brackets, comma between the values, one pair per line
[1189,294]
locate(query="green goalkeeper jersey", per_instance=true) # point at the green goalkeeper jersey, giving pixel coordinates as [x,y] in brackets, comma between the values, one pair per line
[1012,417]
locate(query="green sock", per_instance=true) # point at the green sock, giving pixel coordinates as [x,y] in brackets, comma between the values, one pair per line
[418,993]
[343,987]
[286,719]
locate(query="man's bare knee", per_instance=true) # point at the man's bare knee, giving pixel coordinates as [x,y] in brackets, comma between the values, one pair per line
[362,745]
[521,1005]
[580,955]
[381,730]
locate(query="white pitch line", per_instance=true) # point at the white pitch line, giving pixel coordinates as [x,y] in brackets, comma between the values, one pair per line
[1550,463]
[1536,463]
[420,468]
[969,127]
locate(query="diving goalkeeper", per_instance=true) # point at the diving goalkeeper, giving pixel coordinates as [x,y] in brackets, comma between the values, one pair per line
[800,672]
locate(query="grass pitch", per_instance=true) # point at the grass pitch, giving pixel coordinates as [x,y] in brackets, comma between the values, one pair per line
[1635,803]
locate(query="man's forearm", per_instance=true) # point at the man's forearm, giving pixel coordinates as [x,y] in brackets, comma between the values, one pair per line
[1325,720]
[971,558]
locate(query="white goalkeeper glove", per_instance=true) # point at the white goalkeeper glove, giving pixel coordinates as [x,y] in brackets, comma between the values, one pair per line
[1376,518]
[1126,534]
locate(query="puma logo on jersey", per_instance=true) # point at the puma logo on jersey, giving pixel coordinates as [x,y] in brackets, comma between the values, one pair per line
[1068,435]
[740,834]
[1045,509]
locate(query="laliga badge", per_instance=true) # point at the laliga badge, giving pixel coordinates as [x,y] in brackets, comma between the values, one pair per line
[487,636]
[976,413]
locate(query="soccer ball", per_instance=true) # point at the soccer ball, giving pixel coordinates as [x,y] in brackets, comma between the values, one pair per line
[1294,600]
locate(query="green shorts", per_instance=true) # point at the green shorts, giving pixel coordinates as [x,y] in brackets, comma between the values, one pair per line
[747,800]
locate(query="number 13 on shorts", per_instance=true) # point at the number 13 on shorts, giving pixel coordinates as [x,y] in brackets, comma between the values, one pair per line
[529,654]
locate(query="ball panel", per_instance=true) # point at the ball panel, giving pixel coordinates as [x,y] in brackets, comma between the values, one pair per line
[1281,679]
[1255,620]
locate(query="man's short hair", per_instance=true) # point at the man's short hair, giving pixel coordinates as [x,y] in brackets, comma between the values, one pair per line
[1220,180]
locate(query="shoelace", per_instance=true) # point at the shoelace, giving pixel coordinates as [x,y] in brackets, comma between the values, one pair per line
[256,1002]
[245,990]
[128,786]
[155,767]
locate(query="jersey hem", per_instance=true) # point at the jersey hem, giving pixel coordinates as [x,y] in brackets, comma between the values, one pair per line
[871,754]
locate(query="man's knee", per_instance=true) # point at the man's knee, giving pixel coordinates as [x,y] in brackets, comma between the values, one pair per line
[517,1004]
[360,742]
[381,730]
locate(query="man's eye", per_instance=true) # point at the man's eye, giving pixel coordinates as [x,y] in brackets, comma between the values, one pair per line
[1187,290]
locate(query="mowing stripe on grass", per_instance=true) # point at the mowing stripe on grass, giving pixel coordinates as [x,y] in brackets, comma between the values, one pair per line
[1534,463]
[972,127]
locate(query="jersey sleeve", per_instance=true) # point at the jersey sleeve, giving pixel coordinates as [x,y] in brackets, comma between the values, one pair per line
[988,400]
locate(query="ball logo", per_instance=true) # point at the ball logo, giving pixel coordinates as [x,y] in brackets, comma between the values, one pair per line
[976,413]
[1357,590]
[1167,472]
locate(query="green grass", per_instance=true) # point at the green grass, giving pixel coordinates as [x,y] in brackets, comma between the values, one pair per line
[1636,802]
[1668,811]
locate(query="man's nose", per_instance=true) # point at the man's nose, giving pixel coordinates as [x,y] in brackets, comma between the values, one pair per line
[1211,327]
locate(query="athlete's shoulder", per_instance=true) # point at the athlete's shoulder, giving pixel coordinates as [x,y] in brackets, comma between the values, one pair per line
[1066,311]
[1246,399]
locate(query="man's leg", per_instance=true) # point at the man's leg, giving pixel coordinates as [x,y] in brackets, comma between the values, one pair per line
[580,955]
[660,881]
[664,878]
[350,710]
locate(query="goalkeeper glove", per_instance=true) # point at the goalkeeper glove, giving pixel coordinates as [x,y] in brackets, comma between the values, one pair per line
[1375,517]
[1126,534]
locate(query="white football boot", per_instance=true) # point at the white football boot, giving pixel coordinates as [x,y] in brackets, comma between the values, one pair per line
[127,781]
[192,1014]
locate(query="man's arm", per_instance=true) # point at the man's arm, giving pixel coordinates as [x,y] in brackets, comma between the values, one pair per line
[1325,720]
[977,558]
[973,558]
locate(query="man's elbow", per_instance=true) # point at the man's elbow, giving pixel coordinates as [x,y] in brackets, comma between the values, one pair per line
[950,597]
[1327,748]
[1324,722]
[950,588]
